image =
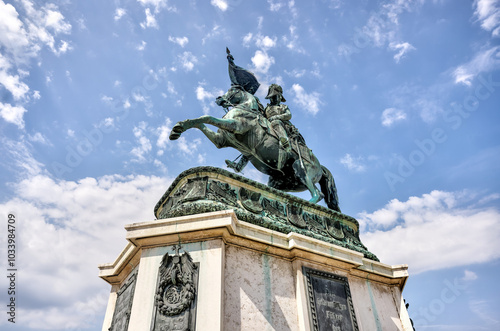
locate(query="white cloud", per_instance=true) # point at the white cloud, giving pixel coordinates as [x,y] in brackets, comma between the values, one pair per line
[265,42]
[39,138]
[488,12]
[353,164]
[163,131]
[213,33]
[12,114]
[202,158]
[144,146]
[119,12]
[188,147]
[403,49]
[275,5]
[141,46]
[63,213]
[221,4]
[181,41]
[21,38]
[187,60]
[247,39]
[157,4]
[292,42]
[262,61]
[392,115]
[12,34]
[150,21]
[435,231]
[207,97]
[483,61]
[12,83]
[309,102]
[469,275]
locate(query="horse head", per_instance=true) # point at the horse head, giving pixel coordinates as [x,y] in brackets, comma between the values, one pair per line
[236,96]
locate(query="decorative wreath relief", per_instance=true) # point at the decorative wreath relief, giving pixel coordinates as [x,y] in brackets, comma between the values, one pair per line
[176,290]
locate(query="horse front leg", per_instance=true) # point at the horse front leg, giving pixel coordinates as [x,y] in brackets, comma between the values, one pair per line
[215,137]
[222,123]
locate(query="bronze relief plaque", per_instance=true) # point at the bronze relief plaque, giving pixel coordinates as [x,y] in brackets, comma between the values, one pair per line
[124,299]
[330,303]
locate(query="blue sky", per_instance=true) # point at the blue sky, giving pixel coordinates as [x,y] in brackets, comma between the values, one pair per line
[399,99]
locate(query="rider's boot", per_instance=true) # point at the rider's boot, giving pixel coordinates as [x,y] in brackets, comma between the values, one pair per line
[237,166]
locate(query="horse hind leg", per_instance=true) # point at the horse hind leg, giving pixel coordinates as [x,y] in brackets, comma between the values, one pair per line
[305,178]
[329,189]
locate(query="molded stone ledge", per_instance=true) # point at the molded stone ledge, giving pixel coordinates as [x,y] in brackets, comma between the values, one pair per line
[225,225]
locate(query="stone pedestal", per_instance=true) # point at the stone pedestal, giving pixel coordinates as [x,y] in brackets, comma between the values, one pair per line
[246,276]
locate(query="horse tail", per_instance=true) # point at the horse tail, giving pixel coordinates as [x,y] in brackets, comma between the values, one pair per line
[329,189]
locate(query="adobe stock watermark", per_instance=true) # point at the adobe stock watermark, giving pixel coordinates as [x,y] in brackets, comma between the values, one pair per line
[121,107]
[437,306]
[428,146]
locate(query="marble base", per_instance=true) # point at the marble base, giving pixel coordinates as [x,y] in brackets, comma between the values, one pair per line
[250,277]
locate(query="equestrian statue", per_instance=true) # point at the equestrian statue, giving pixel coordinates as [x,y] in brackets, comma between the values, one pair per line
[265,137]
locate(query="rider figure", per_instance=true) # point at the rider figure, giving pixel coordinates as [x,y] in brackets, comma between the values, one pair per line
[277,114]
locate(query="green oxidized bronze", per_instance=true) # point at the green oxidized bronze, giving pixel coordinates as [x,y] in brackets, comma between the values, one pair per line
[207,189]
[265,137]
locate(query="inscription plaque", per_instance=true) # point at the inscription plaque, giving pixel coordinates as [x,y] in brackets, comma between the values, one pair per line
[330,303]
[124,298]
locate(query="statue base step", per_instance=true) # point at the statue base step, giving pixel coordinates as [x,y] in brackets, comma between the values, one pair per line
[214,271]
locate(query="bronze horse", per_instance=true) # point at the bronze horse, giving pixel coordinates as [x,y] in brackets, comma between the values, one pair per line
[245,128]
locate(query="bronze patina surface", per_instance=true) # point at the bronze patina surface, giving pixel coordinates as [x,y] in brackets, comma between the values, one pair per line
[207,189]
[265,137]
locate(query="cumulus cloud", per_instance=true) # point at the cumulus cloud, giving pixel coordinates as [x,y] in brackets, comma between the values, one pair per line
[309,102]
[381,29]
[119,12]
[157,4]
[353,164]
[39,138]
[21,38]
[73,226]
[141,46]
[265,42]
[12,82]
[163,131]
[181,41]
[247,39]
[434,231]
[292,41]
[262,61]
[144,144]
[221,4]
[392,115]
[275,5]
[188,147]
[402,49]
[207,97]
[187,60]
[488,13]
[150,21]
[12,114]
[483,61]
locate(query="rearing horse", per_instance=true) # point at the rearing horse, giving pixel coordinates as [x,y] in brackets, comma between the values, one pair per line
[246,129]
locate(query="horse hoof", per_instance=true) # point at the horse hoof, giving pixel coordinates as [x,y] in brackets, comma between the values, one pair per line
[178,129]
[174,136]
